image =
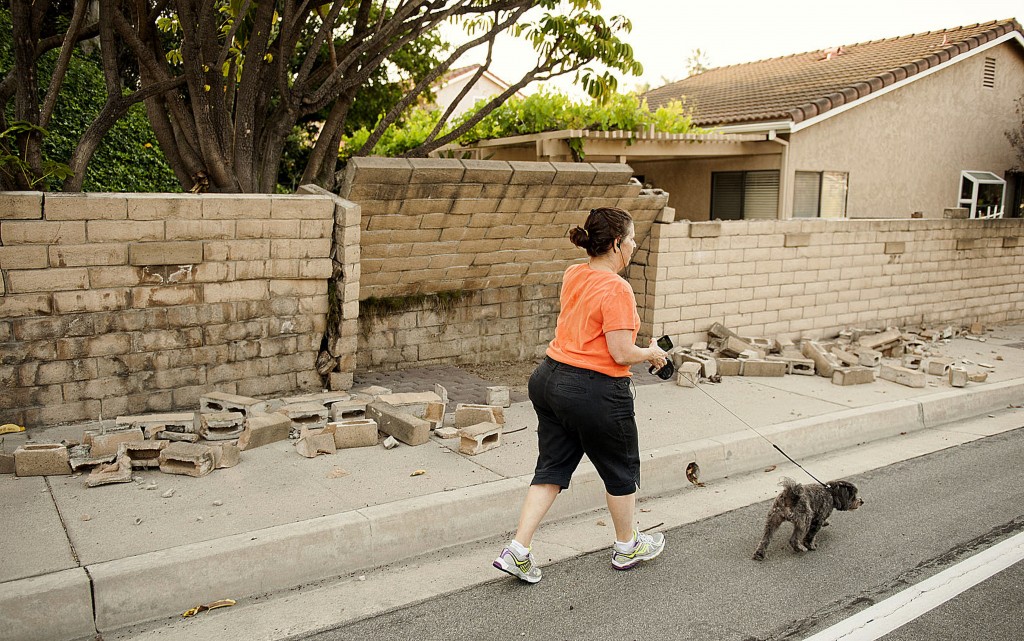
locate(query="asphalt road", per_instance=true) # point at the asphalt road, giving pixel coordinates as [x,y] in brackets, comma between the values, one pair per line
[920,517]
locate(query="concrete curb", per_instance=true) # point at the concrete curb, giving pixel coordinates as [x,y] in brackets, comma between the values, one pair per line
[167,582]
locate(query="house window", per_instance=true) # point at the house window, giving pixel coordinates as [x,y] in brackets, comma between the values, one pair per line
[982,192]
[740,195]
[988,74]
[820,194]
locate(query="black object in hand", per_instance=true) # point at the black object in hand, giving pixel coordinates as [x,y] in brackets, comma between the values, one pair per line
[667,370]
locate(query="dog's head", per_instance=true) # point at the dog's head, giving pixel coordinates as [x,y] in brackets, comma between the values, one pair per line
[844,495]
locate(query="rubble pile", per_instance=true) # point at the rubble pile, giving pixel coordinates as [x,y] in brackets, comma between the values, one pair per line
[197,443]
[854,357]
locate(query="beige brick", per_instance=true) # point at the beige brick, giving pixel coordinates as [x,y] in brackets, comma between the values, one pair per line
[49,280]
[177,207]
[267,229]
[165,296]
[93,300]
[200,229]
[236,291]
[235,206]
[317,228]
[81,206]
[895,248]
[15,305]
[107,345]
[106,231]
[21,205]
[294,207]
[166,253]
[88,255]
[115,276]
[308,248]
[42,232]
[23,257]
[797,240]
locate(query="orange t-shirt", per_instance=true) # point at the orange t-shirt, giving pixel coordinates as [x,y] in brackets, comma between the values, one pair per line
[593,303]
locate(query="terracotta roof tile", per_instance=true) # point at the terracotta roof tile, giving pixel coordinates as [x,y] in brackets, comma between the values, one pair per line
[801,86]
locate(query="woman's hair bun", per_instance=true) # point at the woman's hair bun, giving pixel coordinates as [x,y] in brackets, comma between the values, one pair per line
[579,237]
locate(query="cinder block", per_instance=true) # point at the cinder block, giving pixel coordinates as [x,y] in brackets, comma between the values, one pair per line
[313,442]
[868,357]
[467,414]
[728,366]
[882,340]
[166,253]
[406,427]
[358,432]
[151,424]
[825,363]
[222,402]
[21,205]
[856,375]
[763,368]
[938,366]
[475,439]
[120,471]
[705,230]
[221,426]
[350,409]
[847,358]
[415,403]
[85,206]
[263,429]
[733,346]
[142,454]
[903,376]
[311,415]
[188,459]
[499,395]
[958,377]
[109,443]
[688,374]
[41,459]
[794,364]
[797,240]
[912,361]
[708,364]
[225,455]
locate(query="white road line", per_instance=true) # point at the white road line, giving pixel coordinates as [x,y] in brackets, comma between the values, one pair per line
[899,609]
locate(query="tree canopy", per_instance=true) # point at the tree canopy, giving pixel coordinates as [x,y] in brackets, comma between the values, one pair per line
[229,86]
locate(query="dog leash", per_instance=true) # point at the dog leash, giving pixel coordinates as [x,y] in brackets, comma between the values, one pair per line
[751,428]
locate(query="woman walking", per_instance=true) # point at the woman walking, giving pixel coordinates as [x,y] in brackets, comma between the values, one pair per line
[583,398]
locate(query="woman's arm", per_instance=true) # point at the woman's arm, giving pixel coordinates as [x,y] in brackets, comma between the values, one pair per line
[625,352]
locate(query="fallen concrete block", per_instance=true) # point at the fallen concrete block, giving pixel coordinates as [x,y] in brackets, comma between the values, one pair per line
[223,402]
[410,429]
[305,415]
[763,368]
[733,346]
[120,471]
[699,346]
[107,443]
[794,364]
[313,442]
[845,357]
[958,377]
[354,407]
[912,361]
[856,375]
[766,345]
[688,374]
[80,456]
[189,459]
[263,429]
[882,340]
[354,432]
[41,459]
[938,366]
[221,426]
[434,414]
[479,438]
[903,376]
[728,366]
[374,391]
[390,443]
[825,363]
[6,463]
[467,414]
[182,422]
[446,432]
[708,364]
[868,357]
[225,455]
[499,395]
[176,437]
[977,377]
[721,332]
[142,454]
[324,398]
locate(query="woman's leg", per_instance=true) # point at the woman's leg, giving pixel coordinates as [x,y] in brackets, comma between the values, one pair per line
[537,503]
[622,509]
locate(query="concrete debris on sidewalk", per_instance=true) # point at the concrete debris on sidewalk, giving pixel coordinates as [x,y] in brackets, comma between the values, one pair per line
[855,356]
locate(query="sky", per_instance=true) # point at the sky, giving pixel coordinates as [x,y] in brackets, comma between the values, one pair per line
[665,32]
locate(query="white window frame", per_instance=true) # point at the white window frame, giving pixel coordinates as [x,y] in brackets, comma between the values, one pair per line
[976,183]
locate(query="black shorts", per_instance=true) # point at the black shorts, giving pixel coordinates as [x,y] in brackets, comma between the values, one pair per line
[580,411]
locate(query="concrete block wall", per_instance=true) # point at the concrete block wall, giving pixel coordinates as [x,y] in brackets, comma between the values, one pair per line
[809,278]
[490,234]
[127,303]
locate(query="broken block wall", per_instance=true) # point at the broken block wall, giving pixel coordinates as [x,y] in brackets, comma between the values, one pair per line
[465,257]
[129,303]
[812,278]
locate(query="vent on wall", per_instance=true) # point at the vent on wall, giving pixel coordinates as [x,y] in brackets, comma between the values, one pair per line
[988,74]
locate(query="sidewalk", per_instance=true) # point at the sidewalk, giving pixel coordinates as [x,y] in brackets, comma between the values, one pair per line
[74,560]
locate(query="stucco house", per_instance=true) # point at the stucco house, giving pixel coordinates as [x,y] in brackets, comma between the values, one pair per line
[452,83]
[894,128]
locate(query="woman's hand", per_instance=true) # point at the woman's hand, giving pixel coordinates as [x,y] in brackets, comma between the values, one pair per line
[658,357]
[625,352]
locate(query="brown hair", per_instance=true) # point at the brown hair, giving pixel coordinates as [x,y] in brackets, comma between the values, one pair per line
[603,226]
